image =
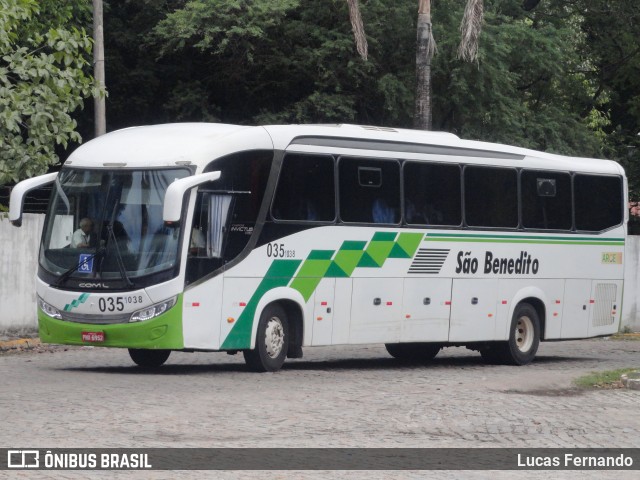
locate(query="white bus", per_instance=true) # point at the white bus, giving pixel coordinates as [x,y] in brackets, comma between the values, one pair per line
[265,240]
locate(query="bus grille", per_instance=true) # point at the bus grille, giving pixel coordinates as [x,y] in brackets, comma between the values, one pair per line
[429,260]
[604,302]
[95,319]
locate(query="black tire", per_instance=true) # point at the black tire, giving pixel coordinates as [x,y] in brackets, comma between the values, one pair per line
[149,358]
[272,341]
[413,352]
[524,339]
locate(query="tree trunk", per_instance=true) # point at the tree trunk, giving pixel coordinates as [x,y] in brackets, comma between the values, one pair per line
[425,49]
[358,28]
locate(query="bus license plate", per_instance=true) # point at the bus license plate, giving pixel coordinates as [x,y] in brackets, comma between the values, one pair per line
[93,337]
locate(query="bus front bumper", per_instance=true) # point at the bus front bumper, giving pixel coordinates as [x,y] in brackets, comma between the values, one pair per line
[162,332]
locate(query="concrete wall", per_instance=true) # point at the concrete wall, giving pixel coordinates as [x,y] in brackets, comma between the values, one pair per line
[631,295]
[18,262]
[19,259]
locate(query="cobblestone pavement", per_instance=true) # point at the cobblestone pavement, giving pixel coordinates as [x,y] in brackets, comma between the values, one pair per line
[353,396]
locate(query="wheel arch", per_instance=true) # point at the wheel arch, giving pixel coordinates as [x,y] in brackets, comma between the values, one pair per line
[535,297]
[540,309]
[293,304]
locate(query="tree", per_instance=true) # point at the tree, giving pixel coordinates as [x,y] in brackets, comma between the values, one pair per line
[425,49]
[43,60]
[535,83]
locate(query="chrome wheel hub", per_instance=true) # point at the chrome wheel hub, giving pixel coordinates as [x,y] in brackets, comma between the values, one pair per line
[274,337]
[524,333]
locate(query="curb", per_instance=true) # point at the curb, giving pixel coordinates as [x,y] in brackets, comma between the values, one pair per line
[19,344]
[631,380]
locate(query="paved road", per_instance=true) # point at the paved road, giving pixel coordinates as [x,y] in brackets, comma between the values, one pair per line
[333,397]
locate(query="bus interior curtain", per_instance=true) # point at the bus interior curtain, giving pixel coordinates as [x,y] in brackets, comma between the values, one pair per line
[218,212]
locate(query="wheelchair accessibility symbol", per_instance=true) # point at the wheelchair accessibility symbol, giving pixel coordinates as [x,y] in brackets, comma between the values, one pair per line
[86,263]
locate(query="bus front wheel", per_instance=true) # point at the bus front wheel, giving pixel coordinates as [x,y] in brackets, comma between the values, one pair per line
[272,341]
[413,352]
[149,358]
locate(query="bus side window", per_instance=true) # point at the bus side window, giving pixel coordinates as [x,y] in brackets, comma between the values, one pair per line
[598,202]
[198,236]
[432,194]
[369,190]
[491,197]
[305,189]
[546,200]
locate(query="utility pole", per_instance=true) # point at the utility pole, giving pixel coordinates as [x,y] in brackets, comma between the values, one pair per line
[100,115]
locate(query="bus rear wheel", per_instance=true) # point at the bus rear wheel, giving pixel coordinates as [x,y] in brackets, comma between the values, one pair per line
[149,358]
[272,341]
[413,352]
[524,339]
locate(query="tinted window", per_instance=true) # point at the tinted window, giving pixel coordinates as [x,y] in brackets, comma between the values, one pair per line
[369,190]
[598,202]
[305,189]
[491,197]
[222,228]
[432,194]
[546,200]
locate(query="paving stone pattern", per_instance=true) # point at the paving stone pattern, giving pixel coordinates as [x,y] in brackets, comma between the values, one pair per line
[354,396]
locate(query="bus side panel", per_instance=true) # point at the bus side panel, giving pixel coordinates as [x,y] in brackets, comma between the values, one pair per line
[201,315]
[577,306]
[342,312]
[376,310]
[473,310]
[323,312]
[238,308]
[426,308]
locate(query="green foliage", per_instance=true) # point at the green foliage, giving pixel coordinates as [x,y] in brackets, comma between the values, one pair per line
[43,58]
[563,77]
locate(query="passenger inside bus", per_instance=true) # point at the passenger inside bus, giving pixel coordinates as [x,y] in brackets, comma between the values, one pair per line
[382,212]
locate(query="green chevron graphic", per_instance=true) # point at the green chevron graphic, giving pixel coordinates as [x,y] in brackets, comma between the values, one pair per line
[76,303]
[304,276]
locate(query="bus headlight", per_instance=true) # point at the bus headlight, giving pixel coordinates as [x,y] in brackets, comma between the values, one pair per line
[153,311]
[49,310]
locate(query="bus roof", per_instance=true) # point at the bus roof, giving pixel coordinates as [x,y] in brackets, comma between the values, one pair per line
[198,143]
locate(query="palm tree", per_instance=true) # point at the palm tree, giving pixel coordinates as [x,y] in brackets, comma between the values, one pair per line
[470,28]
[358,28]
[426,48]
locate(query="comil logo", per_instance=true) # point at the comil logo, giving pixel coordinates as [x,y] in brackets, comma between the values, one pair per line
[23,459]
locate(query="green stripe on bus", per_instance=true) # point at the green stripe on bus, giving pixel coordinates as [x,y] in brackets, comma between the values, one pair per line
[517,240]
[279,274]
[306,276]
[489,237]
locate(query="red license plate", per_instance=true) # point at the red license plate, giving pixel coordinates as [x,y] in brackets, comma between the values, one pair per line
[93,337]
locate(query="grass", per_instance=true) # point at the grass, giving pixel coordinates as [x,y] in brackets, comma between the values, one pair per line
[626,336]
[608,380]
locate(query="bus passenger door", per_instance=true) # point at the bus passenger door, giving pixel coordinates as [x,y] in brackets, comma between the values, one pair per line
[426,307]
[473,310]
[323,312]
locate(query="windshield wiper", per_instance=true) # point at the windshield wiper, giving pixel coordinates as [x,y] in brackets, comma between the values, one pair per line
[119,261]
[68,273]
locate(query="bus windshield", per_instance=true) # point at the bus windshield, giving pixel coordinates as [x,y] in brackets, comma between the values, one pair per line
[106,224]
